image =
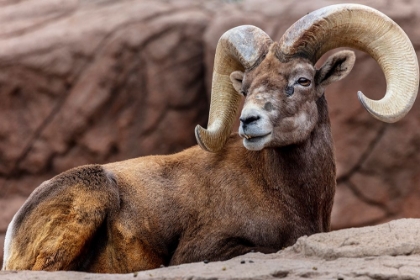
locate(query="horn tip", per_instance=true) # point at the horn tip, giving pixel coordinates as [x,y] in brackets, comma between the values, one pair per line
[198,129]
[368,104]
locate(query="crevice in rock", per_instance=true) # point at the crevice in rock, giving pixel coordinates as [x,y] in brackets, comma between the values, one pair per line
[345,177]
[39,25]
[32,139]
[149,19]
[367,200]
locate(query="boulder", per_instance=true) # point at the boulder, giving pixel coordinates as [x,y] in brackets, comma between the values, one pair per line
[387,251]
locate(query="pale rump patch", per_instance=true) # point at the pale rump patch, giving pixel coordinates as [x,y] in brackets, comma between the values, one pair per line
[8,241]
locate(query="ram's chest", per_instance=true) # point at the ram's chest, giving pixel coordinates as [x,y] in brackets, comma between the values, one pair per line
[265,226]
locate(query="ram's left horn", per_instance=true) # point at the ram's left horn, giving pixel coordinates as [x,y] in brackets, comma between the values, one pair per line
[237,49]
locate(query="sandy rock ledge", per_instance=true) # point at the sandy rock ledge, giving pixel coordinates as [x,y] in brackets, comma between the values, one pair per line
[387,251]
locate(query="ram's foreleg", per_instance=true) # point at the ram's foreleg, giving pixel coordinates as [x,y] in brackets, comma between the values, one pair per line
[55,227]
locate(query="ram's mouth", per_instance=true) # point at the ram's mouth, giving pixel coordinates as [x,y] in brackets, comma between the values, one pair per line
[255,138]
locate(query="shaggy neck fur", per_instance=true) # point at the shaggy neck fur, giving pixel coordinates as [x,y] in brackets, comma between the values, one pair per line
[303,166]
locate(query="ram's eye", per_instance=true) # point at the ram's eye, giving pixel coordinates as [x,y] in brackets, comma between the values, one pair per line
[304,82]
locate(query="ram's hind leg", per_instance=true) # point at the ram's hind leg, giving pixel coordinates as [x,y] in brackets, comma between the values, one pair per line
[54,228]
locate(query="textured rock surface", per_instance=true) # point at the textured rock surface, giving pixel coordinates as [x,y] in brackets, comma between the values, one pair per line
[99,81]
[388,251]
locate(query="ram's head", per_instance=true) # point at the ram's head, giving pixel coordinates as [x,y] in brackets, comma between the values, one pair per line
[281,84]
[281,97]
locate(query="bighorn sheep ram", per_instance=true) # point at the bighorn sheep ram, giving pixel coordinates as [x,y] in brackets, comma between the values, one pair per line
[256,191]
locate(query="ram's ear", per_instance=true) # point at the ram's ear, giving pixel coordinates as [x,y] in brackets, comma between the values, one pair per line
[335,68]
[236,78]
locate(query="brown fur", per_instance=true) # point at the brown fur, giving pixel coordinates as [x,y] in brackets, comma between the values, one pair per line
[192,206]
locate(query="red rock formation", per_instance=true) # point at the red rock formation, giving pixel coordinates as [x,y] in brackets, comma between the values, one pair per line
[93,82]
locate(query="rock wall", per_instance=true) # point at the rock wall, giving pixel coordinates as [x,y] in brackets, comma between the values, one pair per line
[93,82]
[98,81]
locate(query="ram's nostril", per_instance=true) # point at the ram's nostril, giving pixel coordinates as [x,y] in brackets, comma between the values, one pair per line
[249,119]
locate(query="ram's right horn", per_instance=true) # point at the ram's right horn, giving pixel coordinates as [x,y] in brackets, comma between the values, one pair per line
[366,29]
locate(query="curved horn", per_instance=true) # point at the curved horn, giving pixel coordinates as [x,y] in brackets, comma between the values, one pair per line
[238,49]
[366,29]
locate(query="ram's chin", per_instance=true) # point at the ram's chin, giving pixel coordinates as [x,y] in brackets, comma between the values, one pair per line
[256,143]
